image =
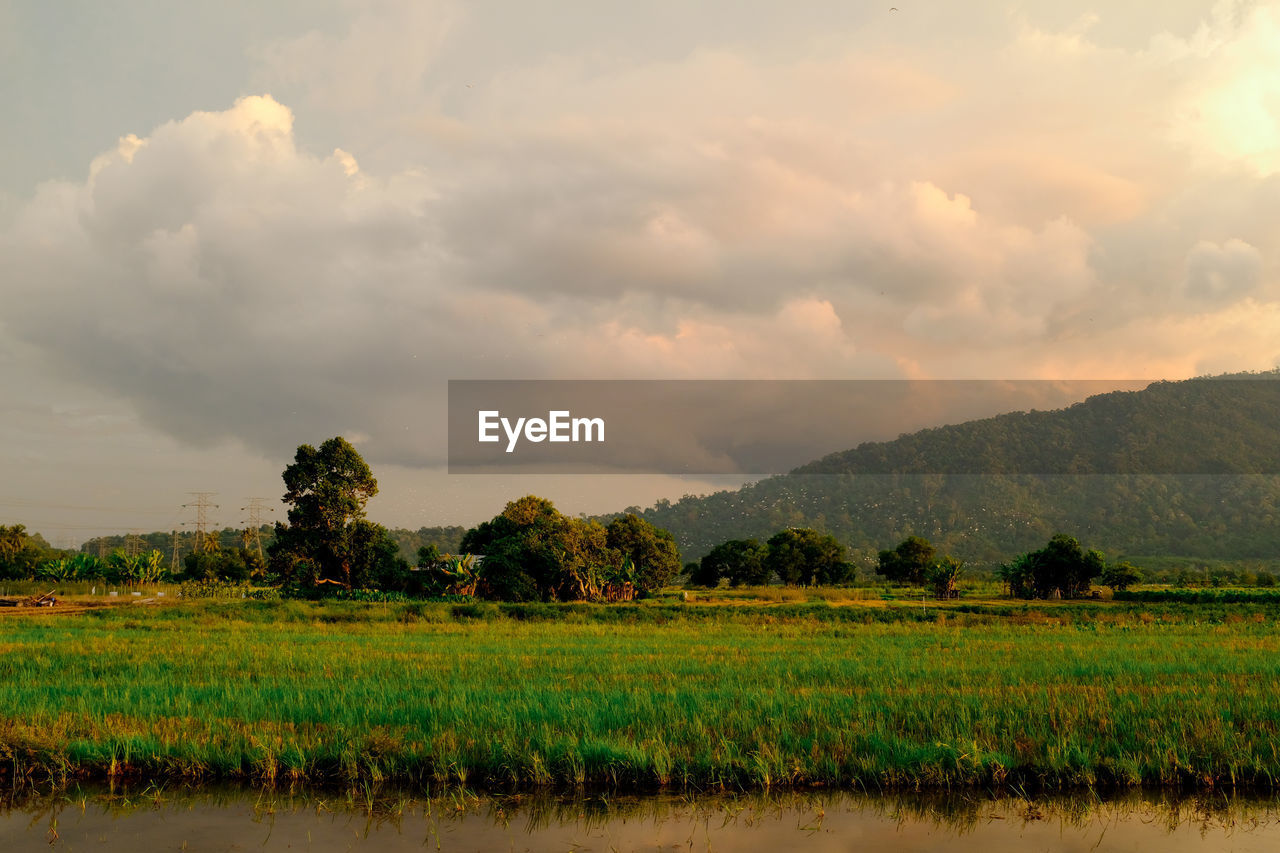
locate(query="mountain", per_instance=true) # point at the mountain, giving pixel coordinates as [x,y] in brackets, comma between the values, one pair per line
[1188,468]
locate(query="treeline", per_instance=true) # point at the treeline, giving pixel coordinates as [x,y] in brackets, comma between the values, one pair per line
[446,539]
[529,552]
[25,556]
[171,542]
[803,557]
[794,557]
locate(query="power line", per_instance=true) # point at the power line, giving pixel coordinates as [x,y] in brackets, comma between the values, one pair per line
[29,504]
[253,528]
[201,504]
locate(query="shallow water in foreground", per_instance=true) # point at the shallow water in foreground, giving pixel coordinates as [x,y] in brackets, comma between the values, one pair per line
[229,819]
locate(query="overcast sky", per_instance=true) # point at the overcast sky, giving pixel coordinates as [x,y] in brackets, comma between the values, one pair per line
[228,229]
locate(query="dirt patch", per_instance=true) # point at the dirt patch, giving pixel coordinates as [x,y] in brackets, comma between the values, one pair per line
[80,605]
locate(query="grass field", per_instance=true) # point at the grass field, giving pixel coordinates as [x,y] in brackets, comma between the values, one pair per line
[874,695]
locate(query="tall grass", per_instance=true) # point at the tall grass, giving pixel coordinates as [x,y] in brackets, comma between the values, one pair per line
[1228,595]
[641,696]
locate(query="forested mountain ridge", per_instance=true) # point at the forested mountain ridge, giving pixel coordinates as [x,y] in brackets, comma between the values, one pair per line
[1186,468]
[1212,425]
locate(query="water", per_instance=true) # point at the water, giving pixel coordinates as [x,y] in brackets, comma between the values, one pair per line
[155,819]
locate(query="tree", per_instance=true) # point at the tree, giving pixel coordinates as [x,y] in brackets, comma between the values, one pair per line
[216,564]
[652,551]
[22,553]
[1061,569]
[532,551]
[741,561]
[800,555]
[13,540]
[942,576]
[1120,576]
[910,562]
[327,539]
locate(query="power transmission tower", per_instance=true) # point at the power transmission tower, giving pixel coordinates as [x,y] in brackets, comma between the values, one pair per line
[132,544]
[201,504]
[173,561]
[253,524]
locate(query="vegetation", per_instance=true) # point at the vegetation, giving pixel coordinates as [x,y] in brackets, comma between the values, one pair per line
[328,540]
[801,555]
[445,539]
[739,561]
[1202,596]
[1061,569]
[794,557]
[910,562]
[649,552]
[22,553]
[1120,576]
[942,577]
[640,695]
[532,552]
[1184,468]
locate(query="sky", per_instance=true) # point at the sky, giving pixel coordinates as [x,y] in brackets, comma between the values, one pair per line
[229,229]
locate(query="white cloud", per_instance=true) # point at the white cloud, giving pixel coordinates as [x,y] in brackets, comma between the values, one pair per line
[859,210]
[1215,272]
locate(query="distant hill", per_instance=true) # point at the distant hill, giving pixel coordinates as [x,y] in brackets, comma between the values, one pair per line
[447,540]
[1189,468]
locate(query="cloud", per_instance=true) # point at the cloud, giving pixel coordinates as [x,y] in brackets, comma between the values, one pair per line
[381,58]
[1228,270]
[856,211]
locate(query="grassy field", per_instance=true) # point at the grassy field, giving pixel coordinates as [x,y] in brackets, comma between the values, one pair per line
[700,695]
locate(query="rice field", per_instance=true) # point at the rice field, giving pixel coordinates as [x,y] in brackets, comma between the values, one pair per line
[645,697]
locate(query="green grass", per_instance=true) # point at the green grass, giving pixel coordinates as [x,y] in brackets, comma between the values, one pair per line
[1220,595]
[647,695]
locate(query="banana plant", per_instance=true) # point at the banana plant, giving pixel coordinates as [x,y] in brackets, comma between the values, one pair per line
[127,568]
[622,587]
[60,570]
[88,566]
[151,568]
[456,575]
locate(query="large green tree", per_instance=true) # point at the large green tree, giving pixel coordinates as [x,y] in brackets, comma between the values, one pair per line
[800,555]
[652,551]
[910,562]
[327,539]
[740,561]
[531,551]
[1061,569]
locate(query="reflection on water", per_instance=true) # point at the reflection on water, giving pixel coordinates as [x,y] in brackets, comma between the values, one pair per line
[152,818]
